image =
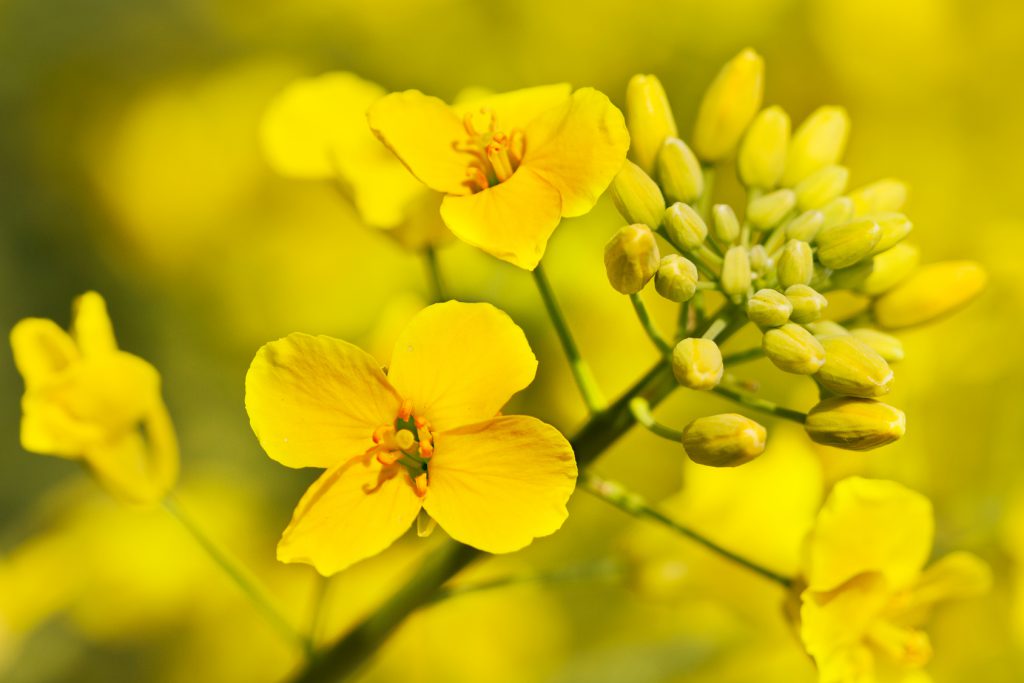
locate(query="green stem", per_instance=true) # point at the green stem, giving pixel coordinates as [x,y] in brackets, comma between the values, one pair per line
[641,410]
[743,356]
[581,371]
[704,203]
[758,403]
[649,327]
[716,328]
[434,272]
[318,608]
[592,570]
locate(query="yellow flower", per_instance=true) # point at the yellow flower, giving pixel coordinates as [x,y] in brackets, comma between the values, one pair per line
[867,590]
[85,399]
[511,165]
[425,436]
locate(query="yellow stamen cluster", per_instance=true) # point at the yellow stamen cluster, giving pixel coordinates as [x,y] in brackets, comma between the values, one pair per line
[408,442]
[495,154]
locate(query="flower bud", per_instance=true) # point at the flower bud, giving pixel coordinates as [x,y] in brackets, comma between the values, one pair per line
[880,196]
[819,141]
[631,258]
[676,279]
[821,187]
[805,226]
[724,440]
[685,227]
[769,308]
[736,275]
[836,212]
[841,246]
[890,268]
[885,345]
[807,303]
[768,210]
[894,226]
[796,264]
[697,363]
[793,349]
[679,172]
[826,328]
[760,261]
[729,104]
[637,197]
[856,424]
[649,119]
[854,276]
[725,223]
[935,290]
[763,150]
[852,368]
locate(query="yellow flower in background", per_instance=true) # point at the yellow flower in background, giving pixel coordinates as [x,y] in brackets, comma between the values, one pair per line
[85,399]
[867,591]
[510,165]
[425,436]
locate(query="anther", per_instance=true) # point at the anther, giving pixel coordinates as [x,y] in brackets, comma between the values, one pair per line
[406,410]
[378,433]
[420,482]
[387,458]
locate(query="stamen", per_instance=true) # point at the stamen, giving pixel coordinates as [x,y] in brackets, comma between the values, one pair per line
[476,180]
[421,484]
[517,147]
[378,433]
[404,439]
[388,458]
[497,154]
[907,646]
[426,449]
[405,411]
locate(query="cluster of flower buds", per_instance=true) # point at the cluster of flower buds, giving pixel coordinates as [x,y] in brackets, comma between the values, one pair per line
[802,237]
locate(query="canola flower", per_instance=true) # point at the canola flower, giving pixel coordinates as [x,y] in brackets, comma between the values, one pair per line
[425,436]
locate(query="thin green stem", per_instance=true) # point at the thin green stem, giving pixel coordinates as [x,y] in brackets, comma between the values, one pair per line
[683,320]
[607,568]
[716,328]
[743,356]
[648,324]
[704,203]
[318,608]
[641,410]
[439,291]
[581,371]
[757,403]
[614,494]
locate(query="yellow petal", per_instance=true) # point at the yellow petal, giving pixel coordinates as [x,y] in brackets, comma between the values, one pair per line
[460,363]
[833,624]
[41,350]
[315,400]
[516,109]
[347,515]
[497,485]
[578,147]
[91,326]
[869,525]
[955,576]
[511,221]
[421,131]
[46,428]
[139,468]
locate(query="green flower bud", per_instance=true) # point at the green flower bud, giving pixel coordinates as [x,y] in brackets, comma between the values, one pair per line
[935,290]
[854,276]
[837,211]
[760,261]
[880,196]
[724,440]
[725,223]
[679,172]
[793,349]
[805,226]
[762,155]
[826,328]
[768,210]
[856,424]
[676,279]
[895,226]
[807,303]
[685,227]
[841,246]
[649,119]
[736,275]
[729,104]
[885,345]
[796,264]
[819,141]
[637,197]
[890,268]
[631,258]
[821,187]
[852,368]
[697,363]
[769,308]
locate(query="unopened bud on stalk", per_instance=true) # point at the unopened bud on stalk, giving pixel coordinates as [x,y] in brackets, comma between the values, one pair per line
[685,227]
[932,292]
[885,345]
[769,308]
[736,275]
[649,118]
[631,258]
[768,210]
[841,246]
[821,187]
[676,279]
[796,264]
[826,328]
[808,304]
[697,363]
[724,440]
[760,261]
[805,226]
[880,196]
[762,155]
[637,197]
[726,225]
[837,212]
[895,227]
[890,268]
[854,276]
[679,172]
[852,368]
[729,104]
[856,424]
[819,141]
[793,349]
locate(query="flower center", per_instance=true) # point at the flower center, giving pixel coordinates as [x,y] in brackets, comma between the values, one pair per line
[407,443]
[494,154]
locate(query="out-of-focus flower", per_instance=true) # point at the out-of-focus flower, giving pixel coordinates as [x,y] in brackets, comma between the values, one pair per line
[423,437]
[85,399]
[729,105]
[510,165]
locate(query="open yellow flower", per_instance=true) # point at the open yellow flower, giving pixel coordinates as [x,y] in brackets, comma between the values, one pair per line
[85,399]
[427,435]
[867,590]
[510,165]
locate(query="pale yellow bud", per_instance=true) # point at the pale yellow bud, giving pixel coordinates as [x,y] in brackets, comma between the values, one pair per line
[724,440]
[885,345]
[890,268]
[821,187]
[697,363]
[637,197]
[841,246]
[856,424]
[852,368]
[729,105]
[736,275]
[769,308]
[793,349]
[768,210]
[894,226]
[726,225]
[649,119]
[935,290]
[762,155]
[808,304]
[826,328]
[819,141]
[836,212]
[854,276]
[631,258]
[679,172]
[805,226]
[880,196]
[796,264]
[685,227]
[676,279]
[760,261]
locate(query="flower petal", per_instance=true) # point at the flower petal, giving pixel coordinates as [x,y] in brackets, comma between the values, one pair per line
[578,147]
[421,131]
[347,515]
[869,525]
[511,221]
[139,468]
[460,363]
[955,576]
[833,624]
[314,400]
[499,484]
[41,350]
[516,109]
[91,327]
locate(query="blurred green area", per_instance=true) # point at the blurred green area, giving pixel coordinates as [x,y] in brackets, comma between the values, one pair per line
[129,164]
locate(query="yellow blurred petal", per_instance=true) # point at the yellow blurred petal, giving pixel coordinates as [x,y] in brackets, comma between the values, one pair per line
[460,363]
[137,467]
[578,147]
[315,400]
[499,484]
[348,515]
[833,624]
[48,429]
[869,525]
[421,131]
[516,109]
[41,350]
[955,576]
[91,327]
